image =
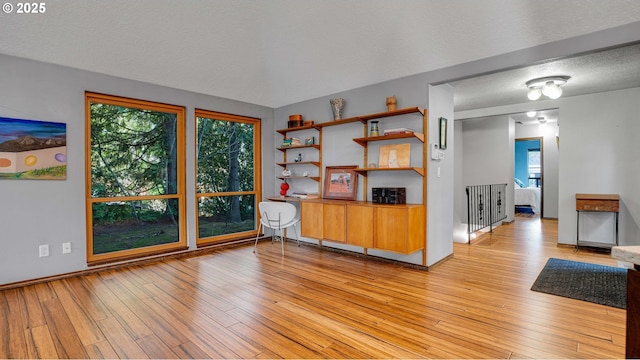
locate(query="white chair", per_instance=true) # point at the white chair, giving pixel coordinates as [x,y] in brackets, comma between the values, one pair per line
[278,216]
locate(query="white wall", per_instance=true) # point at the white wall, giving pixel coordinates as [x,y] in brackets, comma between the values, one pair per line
[599,136]
[35,212]
[487,157]
[459,196]
[440,218]
[550,148]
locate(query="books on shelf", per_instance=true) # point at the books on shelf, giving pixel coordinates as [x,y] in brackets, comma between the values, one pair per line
[288,142]
[397,131]
[304,195]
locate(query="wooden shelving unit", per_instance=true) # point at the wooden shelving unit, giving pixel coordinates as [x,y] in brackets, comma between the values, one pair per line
[316,209]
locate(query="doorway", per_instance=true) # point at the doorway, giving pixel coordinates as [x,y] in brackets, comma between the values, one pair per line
[529,177]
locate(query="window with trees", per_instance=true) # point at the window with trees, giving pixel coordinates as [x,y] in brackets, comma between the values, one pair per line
[228,176]
[533,166]
[135,177]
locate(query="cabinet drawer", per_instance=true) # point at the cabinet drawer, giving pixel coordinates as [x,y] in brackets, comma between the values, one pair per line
[597,205]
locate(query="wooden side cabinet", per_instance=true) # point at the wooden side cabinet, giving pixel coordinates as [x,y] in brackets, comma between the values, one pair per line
[597,203]
[399,229]
[395,228]
[311,216]
[334,222]
[359,225]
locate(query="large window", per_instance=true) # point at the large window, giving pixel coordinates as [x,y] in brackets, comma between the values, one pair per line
[135,177]
[228,176]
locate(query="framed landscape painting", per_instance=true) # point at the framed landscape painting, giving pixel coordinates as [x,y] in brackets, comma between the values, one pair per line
[32,149]
[340,182]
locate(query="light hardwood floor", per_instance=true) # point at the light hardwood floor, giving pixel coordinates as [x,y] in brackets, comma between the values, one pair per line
[315,303]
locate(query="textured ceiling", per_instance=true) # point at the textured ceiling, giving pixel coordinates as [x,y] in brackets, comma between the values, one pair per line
[279,52]
[608,70]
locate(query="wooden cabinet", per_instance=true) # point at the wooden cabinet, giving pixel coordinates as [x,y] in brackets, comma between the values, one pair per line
[311,216]
[334,222]
[359,225]
[396,228]
[597,203]
[400,229]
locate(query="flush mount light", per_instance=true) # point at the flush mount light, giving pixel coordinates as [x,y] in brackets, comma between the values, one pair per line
[548,86]
[531,113]
[542,120]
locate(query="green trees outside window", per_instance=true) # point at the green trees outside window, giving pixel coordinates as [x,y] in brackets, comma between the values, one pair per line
[135,172]
[228,175]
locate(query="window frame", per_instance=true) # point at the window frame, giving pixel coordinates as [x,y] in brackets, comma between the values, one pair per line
[257,176]
[181,244]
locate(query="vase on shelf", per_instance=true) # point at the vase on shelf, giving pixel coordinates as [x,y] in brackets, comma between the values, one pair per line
[337,105]
[391,103]
[374,131]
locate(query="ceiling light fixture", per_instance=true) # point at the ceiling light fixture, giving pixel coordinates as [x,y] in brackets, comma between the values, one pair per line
[548,86]
[542,120]
[531,113]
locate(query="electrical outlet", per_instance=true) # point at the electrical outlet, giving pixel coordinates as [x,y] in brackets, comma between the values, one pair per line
[66,248]
[43,250]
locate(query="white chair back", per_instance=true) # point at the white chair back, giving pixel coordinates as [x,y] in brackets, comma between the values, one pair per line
[276,214]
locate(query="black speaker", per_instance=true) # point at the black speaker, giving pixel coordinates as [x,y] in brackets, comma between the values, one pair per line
[389,195]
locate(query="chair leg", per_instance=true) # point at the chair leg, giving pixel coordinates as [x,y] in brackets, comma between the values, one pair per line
[255,246]
[295,232]
[282,240]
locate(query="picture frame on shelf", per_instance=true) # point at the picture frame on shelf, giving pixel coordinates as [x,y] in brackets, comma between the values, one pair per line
[443,133]
[340,182]
[310,140]
[395,156]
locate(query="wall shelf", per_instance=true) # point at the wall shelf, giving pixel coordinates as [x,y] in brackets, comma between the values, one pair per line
[316,178]
[281,198]
[297,128]
[364,140]
[315,146]
[365,118]
[365,171]
[285,164]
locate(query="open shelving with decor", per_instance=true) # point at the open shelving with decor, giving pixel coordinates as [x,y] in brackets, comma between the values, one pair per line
[287,164]
[398,228]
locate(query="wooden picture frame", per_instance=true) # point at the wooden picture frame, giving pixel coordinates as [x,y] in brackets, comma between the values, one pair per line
[394,156]
[340,182]
[443,133]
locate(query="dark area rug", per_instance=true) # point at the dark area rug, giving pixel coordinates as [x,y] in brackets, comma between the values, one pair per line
[600,284]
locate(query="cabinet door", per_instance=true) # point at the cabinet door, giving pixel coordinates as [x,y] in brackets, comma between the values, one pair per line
[311,219]
[335,222]
[360,225]
[391,229]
